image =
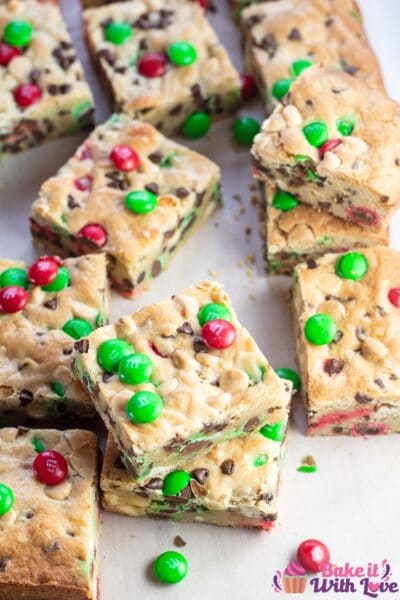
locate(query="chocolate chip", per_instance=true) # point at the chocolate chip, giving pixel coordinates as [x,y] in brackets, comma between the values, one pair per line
[186,493]
[181,192]
[196,446]
[199,199]
[154,20]
[333,366]
[174,444]
[324,205]
[312,263]
[397,162]
[179,542]
[200,475]
[384,199]
[82,346]
[199,345]
[106,377]
[53,547]
[156,268]
[155,157]
[186,328]
[72,203]
[3,564]
[118,464]
[251,424]
[360,334]
[379,383]
[51,304]
[154,484]
[267,497]
[337,429]
[362,398]
[25,397]
[269,44]
[338,337]
[153,187]
[294,35]
[22,430]
[227,467]
[328,21]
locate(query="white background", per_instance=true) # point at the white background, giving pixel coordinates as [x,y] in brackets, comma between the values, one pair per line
[352,502]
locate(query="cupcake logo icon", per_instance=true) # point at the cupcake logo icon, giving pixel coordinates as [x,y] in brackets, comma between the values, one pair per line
[293,580]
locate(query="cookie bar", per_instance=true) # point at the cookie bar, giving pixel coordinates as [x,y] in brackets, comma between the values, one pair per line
[176,378]
[129,192]
[48,522]
[39,325]
[329,147]
[284,38]
[296,232]
[346,318]
[233,485]
[43,93]
[162,63]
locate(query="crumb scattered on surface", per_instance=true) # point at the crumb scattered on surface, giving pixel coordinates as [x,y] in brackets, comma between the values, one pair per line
[179,542]
[214,273]
[308,464]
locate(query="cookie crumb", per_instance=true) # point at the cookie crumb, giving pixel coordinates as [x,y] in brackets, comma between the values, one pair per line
[179,542]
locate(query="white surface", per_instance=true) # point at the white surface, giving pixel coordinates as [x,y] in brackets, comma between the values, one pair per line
[352,502]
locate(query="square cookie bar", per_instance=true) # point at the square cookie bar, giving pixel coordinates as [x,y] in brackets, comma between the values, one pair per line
[284,38]
[163,63]
[129,192]
[48,514]
[336,146]
[178,377]
[296,232]
[43,93]
[346,318]
[234,485]
[39,323]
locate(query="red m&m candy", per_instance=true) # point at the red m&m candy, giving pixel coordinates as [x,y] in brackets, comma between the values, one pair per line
[219,334]
[249,88]
[313,555]
[125,158]
[329,146]
[152,64]
[50,467]
[95,233]
[44,270]
[394,296]
[84,183]
[7,53]
[12,299]
[27,94]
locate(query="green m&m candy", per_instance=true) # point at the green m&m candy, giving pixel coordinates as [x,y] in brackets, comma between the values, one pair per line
[6,499]
[77,328]
[141,202]
[286,373]
[111,352]
[58,389]
[14,276]
[281,88]
[284,201]
[18,33]
[274,432]
[61,281]
[212,311]
[144,407]
[260,460]
[320,329]
[352,265]
[298,66]
[346,125]
[118,33]
[182,54]
[245,129]
[175,482]
[135,368]
[196,125]
[170,567]
[316,133]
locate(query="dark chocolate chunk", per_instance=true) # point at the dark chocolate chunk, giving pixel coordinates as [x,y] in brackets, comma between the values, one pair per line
[179,542]
[154,484]
[269,44]
[106,377]
[154,20]
[200,475]
[52,547]
[174,444]
[118,464]
[324,205]
[379,383]
[195,446]
[227,467]
[360,334]
[362,398]
[312,263]
[251,424]
[185,328]
[25,397]
[156,268]
[337,429]
[155,157]
[82,345]
[153,187]
[3,564]
[333,366]
[72,203]
[141,277]
[199,345]
[199,198]
[51,304]
[181,192]
[338,337]
[295,35]
[22,430]
[267,497]
[107,56]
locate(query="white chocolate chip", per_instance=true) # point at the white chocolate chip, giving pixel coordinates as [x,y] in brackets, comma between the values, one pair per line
[187,305]
[329,283]
[8,434]
[292,116]
[61,491]
[38,296]
[183,360]
[82,461]
[331,161]
[199,491]
[300,233]
[208,360]
[234,380]
[8,519]
[274,123]
[83,311]
[374,349]
[19,68]
[167,387]
[334,309]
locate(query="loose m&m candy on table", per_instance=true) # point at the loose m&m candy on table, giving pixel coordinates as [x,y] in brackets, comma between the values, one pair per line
[170,567]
